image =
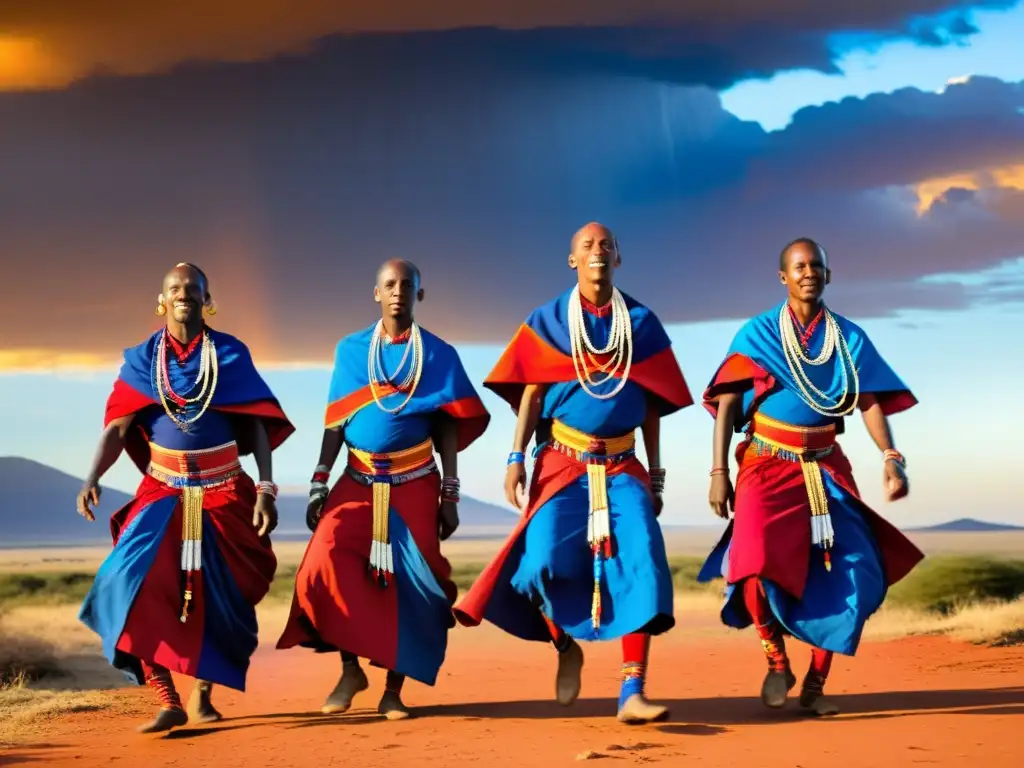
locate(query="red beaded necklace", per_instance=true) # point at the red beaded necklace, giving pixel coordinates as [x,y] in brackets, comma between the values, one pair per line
[808,332]
[182,353]
[592,309]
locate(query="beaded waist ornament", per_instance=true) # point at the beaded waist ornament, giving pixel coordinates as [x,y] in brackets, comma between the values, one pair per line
[807,445]
[192,472]
[597,454]
[382,470]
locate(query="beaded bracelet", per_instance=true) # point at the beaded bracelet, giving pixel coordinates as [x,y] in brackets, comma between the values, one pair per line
[891,454]
[267,488]
[516,457]
[657,480]
[718,471]
[450,489]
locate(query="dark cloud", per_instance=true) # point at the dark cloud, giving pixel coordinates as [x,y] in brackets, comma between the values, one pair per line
[60,41]
[290,181]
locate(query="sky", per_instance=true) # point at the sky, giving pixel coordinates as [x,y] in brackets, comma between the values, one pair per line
[289,152]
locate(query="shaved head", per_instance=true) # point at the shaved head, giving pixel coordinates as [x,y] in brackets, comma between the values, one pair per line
[184,269]
[801,242]
[398,289]
[595,230]
[402,266]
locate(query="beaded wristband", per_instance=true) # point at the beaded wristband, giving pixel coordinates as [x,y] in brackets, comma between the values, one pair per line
[516,457]
[657,479]
[267,488]
[894,456]
[450,489]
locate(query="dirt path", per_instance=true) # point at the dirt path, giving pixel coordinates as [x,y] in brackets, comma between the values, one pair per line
[923,701]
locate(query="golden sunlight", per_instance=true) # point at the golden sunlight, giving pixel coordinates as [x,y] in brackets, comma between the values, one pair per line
[25,63]
[44,360]
[1005,177]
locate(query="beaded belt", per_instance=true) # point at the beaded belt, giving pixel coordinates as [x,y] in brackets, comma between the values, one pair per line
[597,453]
[380,471]
[192,472]
[806,445]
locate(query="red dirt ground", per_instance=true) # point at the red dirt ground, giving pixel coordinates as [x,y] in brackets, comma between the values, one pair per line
[922,701]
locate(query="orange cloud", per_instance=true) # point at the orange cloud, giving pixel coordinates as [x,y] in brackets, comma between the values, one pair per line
[1006,177]
[14,361]
[60,41]
[27,62]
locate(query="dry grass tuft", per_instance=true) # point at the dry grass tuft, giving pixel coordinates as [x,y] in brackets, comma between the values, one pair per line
[992,623]
[50,665]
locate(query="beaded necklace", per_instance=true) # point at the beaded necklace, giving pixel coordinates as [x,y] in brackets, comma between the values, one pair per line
[206,380]
[793,350]
[584,353]
[377,375]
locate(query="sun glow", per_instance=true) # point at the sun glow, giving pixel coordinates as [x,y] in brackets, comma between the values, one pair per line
[1005,177]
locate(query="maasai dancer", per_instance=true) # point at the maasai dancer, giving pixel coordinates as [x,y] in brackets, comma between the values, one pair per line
[192,554]
[373,582]
[803,554]
[587,560]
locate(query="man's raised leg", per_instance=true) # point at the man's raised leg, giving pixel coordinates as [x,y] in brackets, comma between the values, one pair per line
[353,680]
[201,709]
[171,714]
[633,704]
[812,694]
[780,678]
[391,705]
[570,664]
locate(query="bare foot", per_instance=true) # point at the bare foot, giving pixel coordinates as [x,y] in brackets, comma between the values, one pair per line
[776,687]
[200,708]
[637,709]
[392,708]
[353,680]
[165,720]
[570,669]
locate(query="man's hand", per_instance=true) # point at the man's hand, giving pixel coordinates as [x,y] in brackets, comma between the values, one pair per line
[721,497]
[449,520]
[515,485]
[264,514]
[894,481]
[314,510]
[90,493]
[659,504]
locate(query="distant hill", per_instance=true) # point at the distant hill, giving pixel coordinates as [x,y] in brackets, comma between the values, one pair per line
[37,508]
[967,525]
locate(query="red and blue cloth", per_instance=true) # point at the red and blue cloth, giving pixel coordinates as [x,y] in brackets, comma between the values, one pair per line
[770,534]
[546,566]
[337,604]
[135,603]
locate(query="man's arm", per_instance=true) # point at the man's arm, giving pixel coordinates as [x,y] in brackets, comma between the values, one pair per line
[876,422]
[330,448]
[446,442]
[721,497]
[528,417]
[107,453]
[729,404]
[526,426]
[651,431]
[261,451]
[109,449]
